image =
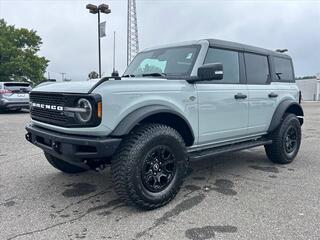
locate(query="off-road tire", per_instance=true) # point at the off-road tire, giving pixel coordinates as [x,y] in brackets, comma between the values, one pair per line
[276,151]
[126,165]
[62,165]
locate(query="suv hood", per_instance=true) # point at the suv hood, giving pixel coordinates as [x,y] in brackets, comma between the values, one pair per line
[67,87]
[86,86]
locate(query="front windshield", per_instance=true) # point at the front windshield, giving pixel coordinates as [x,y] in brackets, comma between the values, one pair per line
[173,62]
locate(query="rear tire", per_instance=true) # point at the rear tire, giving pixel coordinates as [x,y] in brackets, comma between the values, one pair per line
[62,165]
[149,166]
[286,140]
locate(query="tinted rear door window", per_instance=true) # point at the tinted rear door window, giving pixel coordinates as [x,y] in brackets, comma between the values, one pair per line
[283,69]
[230,61]
[257,68]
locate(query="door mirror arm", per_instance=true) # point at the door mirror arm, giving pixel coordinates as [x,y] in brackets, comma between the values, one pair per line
[208,72]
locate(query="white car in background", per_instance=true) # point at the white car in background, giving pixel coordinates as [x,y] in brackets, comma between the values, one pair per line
[14,95]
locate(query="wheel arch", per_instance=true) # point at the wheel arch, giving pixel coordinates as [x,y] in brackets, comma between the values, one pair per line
[156,114]
[287,106]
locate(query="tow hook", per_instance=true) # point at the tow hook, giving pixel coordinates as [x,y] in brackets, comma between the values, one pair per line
[28,137]
[56,147]
[96,165]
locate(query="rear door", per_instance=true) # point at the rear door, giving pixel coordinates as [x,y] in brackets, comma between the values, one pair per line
[262,94]
[223,104]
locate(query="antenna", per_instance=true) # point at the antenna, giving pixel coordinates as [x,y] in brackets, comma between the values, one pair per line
[132,31]
[114,72]
[114,51]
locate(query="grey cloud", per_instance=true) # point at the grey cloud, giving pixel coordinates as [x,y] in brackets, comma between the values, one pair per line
[69,32]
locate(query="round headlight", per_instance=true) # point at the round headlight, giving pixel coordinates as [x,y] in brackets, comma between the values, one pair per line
[85,115]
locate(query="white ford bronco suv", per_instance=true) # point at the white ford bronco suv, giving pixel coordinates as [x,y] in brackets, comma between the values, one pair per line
[173,104]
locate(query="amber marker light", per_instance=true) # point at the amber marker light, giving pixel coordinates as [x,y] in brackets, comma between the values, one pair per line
[99,112]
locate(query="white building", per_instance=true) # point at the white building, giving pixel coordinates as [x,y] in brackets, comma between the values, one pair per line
[310,89]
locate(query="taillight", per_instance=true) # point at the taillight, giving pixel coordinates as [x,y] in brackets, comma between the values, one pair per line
[5,91]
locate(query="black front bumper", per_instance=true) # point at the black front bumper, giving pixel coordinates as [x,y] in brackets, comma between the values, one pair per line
[75,149]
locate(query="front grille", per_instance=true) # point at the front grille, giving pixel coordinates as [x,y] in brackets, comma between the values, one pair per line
[48,115]
[43,98]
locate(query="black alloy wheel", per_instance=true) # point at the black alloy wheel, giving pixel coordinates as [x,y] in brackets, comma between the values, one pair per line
[290,140]
[159,168]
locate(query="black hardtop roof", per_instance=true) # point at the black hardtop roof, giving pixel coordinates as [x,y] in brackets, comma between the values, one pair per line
[244,47]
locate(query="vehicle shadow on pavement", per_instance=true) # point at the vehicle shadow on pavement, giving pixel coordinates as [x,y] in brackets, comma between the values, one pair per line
[89,189]
[71,198]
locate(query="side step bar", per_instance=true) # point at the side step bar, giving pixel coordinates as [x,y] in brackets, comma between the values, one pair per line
[198,155]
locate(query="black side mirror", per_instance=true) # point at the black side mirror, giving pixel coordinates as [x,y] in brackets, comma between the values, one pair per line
[211,71]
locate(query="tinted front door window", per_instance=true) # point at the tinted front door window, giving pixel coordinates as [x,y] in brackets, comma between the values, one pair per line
[230,61]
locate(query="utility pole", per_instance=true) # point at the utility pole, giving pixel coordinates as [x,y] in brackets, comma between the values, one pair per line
[132,31]
[63,76]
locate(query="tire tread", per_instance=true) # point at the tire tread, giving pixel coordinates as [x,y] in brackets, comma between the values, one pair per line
[275,151]
[120,164]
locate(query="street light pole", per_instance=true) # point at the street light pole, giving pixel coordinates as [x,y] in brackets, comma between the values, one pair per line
[103,8]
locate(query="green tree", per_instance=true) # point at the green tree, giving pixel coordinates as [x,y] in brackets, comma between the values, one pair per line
[18,54]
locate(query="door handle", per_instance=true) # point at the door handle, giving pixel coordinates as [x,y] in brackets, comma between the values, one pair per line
[240,96]
[273,95]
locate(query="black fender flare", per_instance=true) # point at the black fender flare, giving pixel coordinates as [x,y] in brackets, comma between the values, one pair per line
[282,108]
[131,120]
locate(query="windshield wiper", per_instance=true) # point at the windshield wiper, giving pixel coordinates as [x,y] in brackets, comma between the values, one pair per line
[128,75]
[155,74]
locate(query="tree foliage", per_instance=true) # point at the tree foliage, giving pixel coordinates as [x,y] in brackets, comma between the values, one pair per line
[18,54]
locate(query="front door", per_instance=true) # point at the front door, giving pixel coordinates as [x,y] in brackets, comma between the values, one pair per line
[223,104]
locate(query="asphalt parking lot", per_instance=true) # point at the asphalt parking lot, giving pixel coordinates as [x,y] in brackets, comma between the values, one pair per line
[234,196]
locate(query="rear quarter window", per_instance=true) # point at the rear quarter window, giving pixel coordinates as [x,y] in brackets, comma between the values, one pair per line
[283,70]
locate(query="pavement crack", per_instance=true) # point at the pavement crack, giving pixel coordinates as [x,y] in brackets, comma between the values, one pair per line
[83,200]
[109,204]
[185,205]
[46,228]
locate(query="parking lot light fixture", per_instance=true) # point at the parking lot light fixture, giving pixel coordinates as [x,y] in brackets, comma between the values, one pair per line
[92,8]
[104,8]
